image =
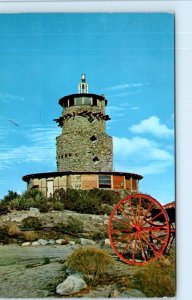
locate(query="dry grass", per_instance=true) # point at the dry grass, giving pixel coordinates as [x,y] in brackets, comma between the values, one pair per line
[158,278]
[30,236]
[12,229]
[92,262]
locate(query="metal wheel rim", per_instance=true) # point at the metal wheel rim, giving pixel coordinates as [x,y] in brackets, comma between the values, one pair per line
[138,231]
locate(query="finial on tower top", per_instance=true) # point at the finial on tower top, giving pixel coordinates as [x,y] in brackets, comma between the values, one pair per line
[83,78]
[83,86]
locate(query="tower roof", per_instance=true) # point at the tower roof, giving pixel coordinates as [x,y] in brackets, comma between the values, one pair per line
[83,92]
[64,99]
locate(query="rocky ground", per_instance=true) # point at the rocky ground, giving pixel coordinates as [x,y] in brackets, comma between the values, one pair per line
[33,262]
[25,272]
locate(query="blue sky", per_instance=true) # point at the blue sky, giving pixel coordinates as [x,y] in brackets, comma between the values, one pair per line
[127,57]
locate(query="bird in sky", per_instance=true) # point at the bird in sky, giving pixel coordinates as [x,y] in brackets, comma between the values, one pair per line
[14,123]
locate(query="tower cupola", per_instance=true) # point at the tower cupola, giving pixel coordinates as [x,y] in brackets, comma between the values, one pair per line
[83,86]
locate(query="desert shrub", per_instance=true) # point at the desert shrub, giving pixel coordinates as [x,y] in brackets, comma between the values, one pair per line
[93,263]
[20,203]
[90,201]
[12,229]
[3,235]
[59,195]
[158,278]
[30,236]
[37,199]
[56,205]
[5,202]
[105,196]
[72,225]
[31,223]
[4,209]
[30,198]
[46,260]
[99,235]
[72,198]
[10,196]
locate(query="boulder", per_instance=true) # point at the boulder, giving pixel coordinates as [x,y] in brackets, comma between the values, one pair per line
[60,242]
[51,242]
[71,243]
[106,222]
[42,242]
[34,210]
[107,242]
[36,243]
[73,284]
[129,293]
[26,244]
[87,242]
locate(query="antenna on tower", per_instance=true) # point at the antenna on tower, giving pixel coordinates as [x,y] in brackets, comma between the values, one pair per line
[83,86]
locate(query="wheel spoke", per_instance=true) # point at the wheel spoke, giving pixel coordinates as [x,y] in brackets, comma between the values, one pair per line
[122,239]
[131,209]
[154,228]
[135,246]
[139,210]
[142,248]
[149,208]
[148,243]
[121,230]
[128,244]
[124,213]
[160,213]
[121,221]
[157,238]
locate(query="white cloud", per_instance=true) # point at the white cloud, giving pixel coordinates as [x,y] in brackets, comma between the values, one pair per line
[26,154]
[124,86]
[135,108]
[44,136]
[41,149]
[152,125]
[140,155]
[8,98]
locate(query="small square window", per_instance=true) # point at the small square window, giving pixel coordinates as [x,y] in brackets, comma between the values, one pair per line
[95,159]
[93,138]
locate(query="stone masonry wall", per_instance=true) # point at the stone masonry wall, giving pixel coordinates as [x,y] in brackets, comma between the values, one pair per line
[84,145]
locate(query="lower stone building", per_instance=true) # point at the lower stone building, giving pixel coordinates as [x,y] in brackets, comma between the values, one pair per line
[51,181]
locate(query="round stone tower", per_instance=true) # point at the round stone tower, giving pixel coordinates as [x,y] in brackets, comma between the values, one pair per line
[83,144]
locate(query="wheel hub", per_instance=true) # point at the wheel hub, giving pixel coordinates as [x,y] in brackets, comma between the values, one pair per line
[137,228]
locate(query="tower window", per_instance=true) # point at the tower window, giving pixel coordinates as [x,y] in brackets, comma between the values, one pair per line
[104,181]
[79,101]
[93,138]
[95,159]
[71,102]
[87,101]
[91,119]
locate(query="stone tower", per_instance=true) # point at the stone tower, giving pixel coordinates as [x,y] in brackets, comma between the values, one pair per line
[83,144]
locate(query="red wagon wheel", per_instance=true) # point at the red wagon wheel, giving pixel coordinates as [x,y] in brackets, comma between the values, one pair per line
[138,229]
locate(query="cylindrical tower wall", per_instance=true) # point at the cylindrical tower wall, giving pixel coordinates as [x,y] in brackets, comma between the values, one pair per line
[84,144]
